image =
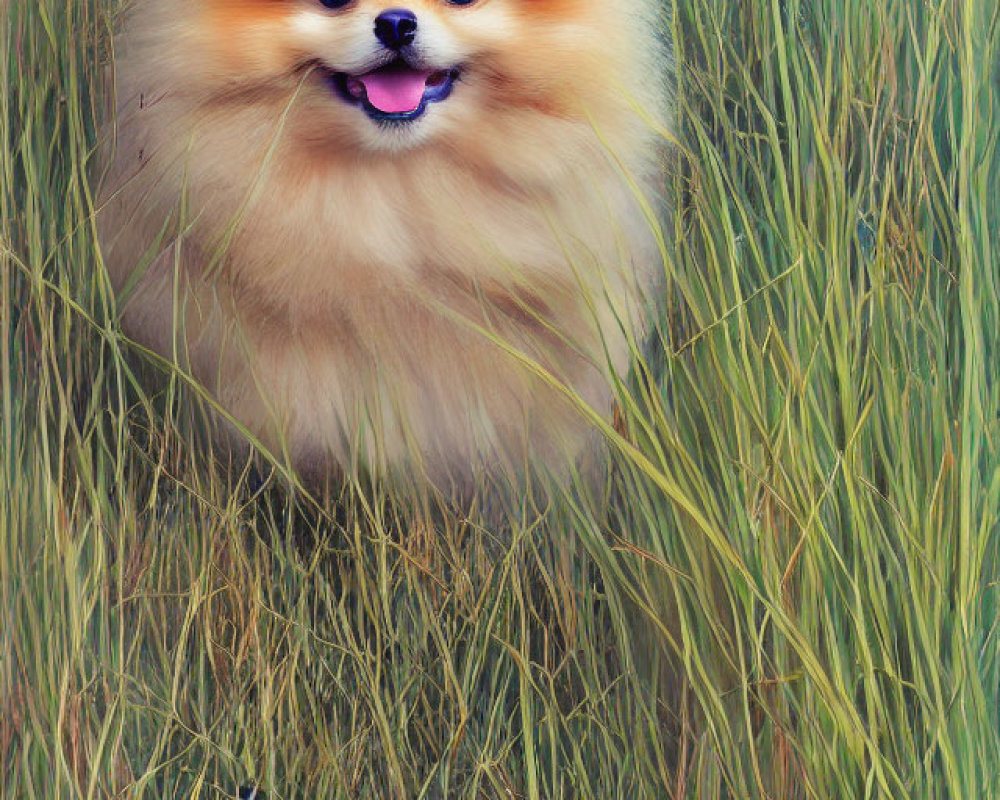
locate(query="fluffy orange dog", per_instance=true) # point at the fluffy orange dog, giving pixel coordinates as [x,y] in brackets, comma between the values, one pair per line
[381,232]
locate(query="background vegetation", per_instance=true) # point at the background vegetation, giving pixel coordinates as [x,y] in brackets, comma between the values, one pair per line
[792,593]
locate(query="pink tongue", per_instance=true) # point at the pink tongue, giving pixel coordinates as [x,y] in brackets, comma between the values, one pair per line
[395,91]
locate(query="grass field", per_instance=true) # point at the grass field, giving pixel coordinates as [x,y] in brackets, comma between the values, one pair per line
[794,591]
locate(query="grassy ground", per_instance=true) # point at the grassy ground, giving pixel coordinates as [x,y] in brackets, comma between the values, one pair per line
[793,593]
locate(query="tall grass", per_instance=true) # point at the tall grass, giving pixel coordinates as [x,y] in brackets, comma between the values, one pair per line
[792,592]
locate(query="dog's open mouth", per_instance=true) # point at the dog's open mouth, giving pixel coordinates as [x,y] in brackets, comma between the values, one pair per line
[396,92]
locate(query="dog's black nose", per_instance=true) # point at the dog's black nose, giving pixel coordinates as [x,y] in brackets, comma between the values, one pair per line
[396,27]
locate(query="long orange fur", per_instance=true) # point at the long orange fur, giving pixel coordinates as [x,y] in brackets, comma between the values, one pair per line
[343,289]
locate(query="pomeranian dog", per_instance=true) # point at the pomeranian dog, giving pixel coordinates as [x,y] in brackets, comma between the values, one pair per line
[404,237]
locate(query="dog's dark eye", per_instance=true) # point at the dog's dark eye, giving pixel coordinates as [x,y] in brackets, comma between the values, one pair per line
[461,2]
[334,3]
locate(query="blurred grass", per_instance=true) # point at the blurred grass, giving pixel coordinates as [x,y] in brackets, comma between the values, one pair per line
[793,594]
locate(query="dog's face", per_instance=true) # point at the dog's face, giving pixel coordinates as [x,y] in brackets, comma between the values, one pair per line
[383,75]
